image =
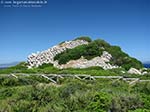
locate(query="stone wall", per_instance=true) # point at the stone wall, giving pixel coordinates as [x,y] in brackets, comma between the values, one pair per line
[47,56]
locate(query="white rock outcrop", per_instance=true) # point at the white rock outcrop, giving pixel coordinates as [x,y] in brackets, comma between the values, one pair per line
[101,61]
[134,71]
[145,72]
[47,56]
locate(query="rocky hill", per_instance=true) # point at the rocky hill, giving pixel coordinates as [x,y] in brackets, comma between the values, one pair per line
[82,52]
[47,56]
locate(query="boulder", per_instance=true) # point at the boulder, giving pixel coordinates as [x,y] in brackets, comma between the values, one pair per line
[145,72]
[134,71]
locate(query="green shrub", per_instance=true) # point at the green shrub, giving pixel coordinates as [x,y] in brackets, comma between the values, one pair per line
[53,107]
[140,110]
[100,103]
[6,105]
[11,81]
[122,59]
[45,65]
[146,101]
[102,43]
[143,87]
[71,88]
[124,103]
[88,39]
[23,106]
[87,51]
[22,66]
[6,92]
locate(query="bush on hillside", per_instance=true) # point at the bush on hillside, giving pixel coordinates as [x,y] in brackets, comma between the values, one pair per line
[100,103]
[45,65]
[95,48]
[21,65]
[101,43]
[88,39]
[87,51]
[125,103]
[122,59]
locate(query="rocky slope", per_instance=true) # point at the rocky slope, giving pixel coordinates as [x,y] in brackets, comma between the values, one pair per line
[47,56]
[101,61]
[83,53]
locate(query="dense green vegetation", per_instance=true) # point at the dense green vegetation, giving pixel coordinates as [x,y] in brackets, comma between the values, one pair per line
[95,48]
[89,51]
[122,59]
[34,94]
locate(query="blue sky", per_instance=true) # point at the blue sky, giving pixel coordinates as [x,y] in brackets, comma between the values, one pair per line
[120,22]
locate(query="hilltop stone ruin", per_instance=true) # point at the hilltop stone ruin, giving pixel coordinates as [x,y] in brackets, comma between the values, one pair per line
[47,56]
